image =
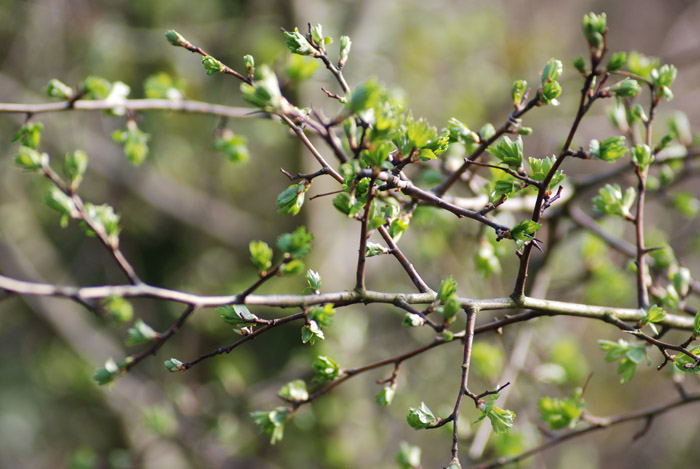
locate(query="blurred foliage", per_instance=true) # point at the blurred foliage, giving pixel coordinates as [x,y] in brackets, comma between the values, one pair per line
[450,60]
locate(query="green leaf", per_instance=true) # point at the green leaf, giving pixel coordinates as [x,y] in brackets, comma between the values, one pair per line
[594,27]
[260,255]
[297,43]
[448,288]
[104,217]
[626,369]
[696,324]
[524,230]
[540,167]
[686,204]
[641,65]
[236,315]
[140,333]
[173,365]
[561,413]
[627,88]
[30,159]
[163,86]
[175,38]
[681,280]
[291,199]
[117,309]
[233,146]
[313,279]
[311,333]
[374,249]
[681,360]
[551,71]
[420,417]
[611,201]
[398,227]
[107,374]
[642,155]
[419,132]
[518,91]
[412,320]
[249,63]
[211,65]
[95,87]
[294,391]
[263,93]
[326,369]
[293,267]
[377,154]
[655,314]
[408,456]
[364,96]
[301,68]
[272,422]
[75,165]
[63,204]
[501,419]
[550,92]
[459,132]
[487,360]
[58,89]
[345,46]
[450,309]
[580,65]
[296,243]
[29,135]
[617,61]
[386,396]
[510,153]
[322,315]
[135,142]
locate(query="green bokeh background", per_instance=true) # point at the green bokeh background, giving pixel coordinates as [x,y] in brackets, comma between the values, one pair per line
[188,215]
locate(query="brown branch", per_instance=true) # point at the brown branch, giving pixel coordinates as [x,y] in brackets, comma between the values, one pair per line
[509,126]
[160,339]
[603,424]
[403,260]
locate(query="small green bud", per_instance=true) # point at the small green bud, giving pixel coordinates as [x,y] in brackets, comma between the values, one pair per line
[641,154]
[317,34]
[594,28]
[518,91]
[173,365]
[298,44]
[30,159]
[550,92]
[75,165]
[609,149]
[211,65]
[626,88]
[345,46]
[249,65]
[58,89]
[637,114]
[525,131]
[617,61]
[552,70]
[580,65]
[175,38]
[29,135]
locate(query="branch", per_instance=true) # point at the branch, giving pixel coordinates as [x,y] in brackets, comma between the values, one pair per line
[184,105]
[341,298]
[405,263]
[603,424]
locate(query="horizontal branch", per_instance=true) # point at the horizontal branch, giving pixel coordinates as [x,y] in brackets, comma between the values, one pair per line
[183,105]
[602,424]
[342,298]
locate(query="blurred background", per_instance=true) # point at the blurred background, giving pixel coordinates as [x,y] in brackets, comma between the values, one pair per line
[188,215]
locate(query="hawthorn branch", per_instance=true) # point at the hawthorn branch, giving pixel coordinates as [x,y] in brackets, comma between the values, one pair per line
[133,105]
[602,424]
[341,298]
